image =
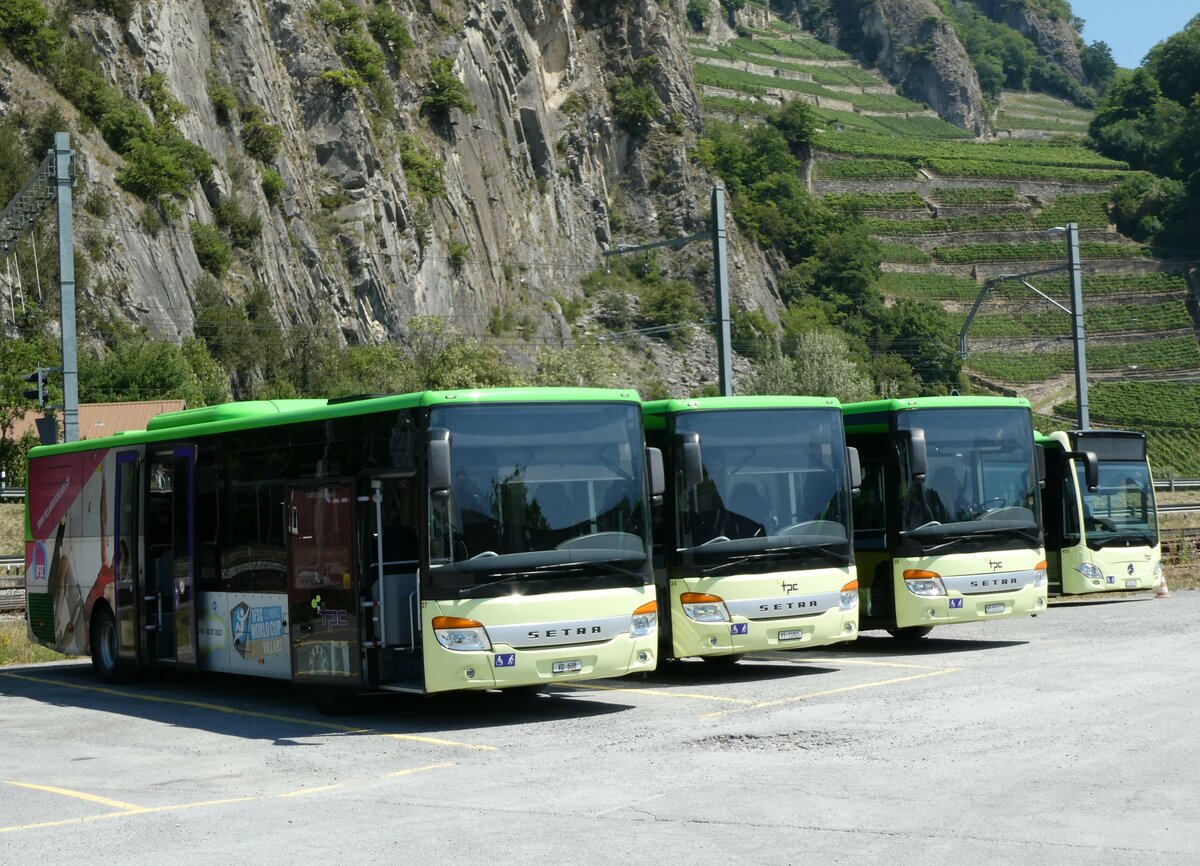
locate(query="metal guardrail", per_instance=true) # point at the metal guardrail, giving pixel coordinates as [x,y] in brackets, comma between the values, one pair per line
[15,493]
[12,591]
[1176,483]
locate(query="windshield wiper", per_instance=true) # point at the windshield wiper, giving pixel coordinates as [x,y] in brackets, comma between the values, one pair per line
[1098,543]
[779,553]
[544,572]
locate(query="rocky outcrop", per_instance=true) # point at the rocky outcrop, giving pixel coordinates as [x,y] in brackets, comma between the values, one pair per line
[910,42]
[917,48]
[353,246]
[1055,37]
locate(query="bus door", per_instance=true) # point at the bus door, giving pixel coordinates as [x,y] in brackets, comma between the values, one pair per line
[322,591]
[126,559]
[390,598]
[168,590]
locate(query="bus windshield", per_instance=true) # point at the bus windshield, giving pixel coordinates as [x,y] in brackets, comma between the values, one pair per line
[979,482]
[773,489]
[1122,508]
[543,494]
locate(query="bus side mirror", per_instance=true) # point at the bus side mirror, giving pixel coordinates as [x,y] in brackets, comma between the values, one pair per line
[1039,465]
[918,456]
[855,468]
[437,446]
[689,454]
[658,482]
[1091,467]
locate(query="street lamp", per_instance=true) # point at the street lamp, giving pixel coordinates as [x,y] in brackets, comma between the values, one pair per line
[1071,230]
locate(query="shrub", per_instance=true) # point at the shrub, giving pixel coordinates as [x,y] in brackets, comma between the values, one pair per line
[244,227]
[259,138]
[212,250]
[422,169]
[224,102]
[446,92]
[272,185]
[389,30]
[635,106]
[457,254]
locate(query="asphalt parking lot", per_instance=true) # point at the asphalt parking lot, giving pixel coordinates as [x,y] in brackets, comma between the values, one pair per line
[1069,738]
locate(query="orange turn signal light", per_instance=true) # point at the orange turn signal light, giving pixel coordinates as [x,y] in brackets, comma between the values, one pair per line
[455,622]
[700,598]
[920,574]
[648,607]
[852,586]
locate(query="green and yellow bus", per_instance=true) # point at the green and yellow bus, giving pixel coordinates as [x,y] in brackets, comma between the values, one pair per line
[422,542]
[752,543]
[946,528]
[1101,531]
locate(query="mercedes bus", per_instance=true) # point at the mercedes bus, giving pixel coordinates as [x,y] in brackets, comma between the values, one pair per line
[946,528]
[1102,530]
[422,542]
[752,542]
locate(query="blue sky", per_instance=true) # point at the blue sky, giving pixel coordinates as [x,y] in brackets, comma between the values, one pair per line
[1132,27]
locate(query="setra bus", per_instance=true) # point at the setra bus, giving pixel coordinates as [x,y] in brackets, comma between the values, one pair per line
[421,542]
[946,528]
[1099,512]
[752,542]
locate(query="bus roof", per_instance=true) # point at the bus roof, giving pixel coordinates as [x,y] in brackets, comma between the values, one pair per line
[254,414]
[655,412]
[900,405]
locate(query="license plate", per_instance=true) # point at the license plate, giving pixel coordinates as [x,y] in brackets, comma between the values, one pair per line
[997,607]
[795,634]
[566,667]
[1131,584]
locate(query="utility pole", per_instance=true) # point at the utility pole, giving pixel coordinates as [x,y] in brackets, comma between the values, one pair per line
[53,181]
[1078,337]
[64,179]
[715,233]
[1081,394]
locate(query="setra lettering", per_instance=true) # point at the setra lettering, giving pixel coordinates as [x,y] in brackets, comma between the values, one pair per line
[787,605]
[1000,581]
[569,631]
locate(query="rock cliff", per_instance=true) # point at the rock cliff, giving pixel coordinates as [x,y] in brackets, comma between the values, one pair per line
[532,158]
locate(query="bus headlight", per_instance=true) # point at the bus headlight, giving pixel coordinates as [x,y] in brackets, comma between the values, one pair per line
[703,607]
[464,635]
[924,583]
[1090,571]
[849,597]
[1157,573]
[645,620]
[1039,574]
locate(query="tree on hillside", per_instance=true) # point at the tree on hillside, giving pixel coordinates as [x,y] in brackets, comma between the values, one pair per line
[819,365]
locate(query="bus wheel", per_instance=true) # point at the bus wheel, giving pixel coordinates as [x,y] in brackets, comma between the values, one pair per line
[336,702]
[913,632]
[106,648]
[723,661]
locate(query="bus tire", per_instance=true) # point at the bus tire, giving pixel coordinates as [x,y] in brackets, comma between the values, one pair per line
[106,646]
[723,661]
[913,632]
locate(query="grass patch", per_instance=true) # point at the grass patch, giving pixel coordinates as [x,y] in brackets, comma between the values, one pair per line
[17,649]
[12,527]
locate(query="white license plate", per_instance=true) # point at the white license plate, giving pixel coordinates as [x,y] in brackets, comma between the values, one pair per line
[795,634]
[1131,584]
[566,667]
[997,607]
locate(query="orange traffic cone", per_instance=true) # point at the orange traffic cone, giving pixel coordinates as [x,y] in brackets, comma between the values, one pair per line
[1163,592]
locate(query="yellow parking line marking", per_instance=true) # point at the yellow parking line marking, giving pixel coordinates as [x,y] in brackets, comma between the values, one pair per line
[479,747]
[128,810]
[840,661]
[304,792]
[827,692]
[412,770]
[656,692]
[91,798]
[253,714]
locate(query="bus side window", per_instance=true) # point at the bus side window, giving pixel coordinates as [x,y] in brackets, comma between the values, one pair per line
[870,514]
